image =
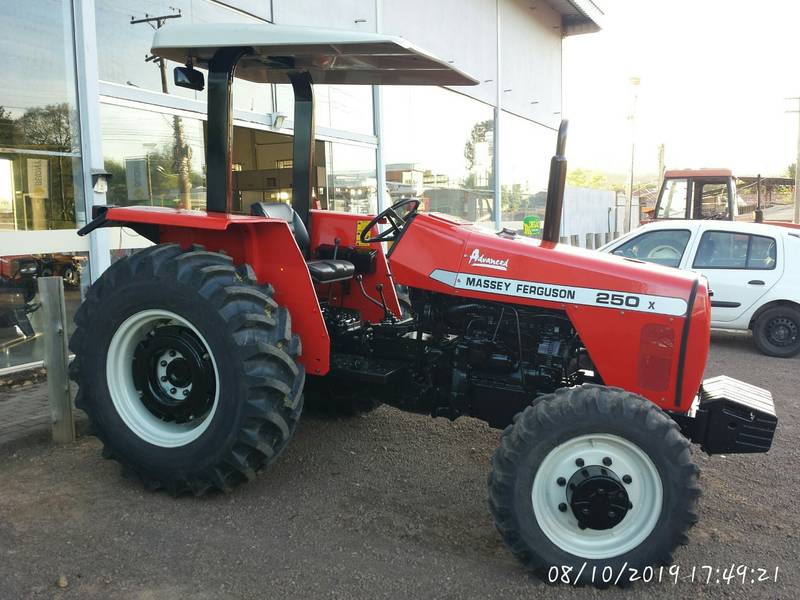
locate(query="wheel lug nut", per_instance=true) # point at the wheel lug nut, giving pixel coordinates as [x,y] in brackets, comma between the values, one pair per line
[611,514]
[626,478]
[163,378]
[185,392]
[585,511]
[172,352]
[607,461]
[172,390]
[163,363]
[562,507]
[561,481]
[579,462]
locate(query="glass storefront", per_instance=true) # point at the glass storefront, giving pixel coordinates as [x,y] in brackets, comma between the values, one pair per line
[40,161]
[155,158]
[525,151]
[343,107]
[21,340]
[438,147]
[123,46]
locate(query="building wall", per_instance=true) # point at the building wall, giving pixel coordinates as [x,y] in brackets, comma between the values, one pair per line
[447,134]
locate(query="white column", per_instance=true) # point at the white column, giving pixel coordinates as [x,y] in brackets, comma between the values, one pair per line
[498,111]
[377,121]
[91,140]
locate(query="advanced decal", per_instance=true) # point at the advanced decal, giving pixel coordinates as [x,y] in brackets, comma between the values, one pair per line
[518,288]
[477,259]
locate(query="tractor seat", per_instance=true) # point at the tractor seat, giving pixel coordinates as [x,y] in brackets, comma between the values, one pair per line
[326,270]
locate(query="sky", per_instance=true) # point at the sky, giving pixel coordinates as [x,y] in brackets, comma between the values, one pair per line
[714,78]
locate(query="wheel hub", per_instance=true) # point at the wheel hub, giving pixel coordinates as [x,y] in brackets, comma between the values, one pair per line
[597,497]
[782,331]
[173,374]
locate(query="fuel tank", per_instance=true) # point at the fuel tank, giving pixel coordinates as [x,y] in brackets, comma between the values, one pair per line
[646,327]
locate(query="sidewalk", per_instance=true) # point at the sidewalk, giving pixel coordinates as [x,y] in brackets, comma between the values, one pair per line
[24,410]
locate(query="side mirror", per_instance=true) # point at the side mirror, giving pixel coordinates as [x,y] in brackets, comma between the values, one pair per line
[189,77]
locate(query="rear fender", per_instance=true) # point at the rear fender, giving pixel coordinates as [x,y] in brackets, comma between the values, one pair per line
[267,245]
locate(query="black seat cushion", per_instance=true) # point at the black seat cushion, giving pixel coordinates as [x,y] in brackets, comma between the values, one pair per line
[328,270]
[284,212]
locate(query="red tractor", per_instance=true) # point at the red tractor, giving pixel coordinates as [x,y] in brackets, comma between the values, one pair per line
[192,356]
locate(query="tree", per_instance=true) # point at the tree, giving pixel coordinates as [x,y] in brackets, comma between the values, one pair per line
[482,132]
[791,170]
[48,128]
[6,127]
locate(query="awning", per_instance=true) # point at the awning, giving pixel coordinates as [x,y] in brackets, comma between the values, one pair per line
[331,56]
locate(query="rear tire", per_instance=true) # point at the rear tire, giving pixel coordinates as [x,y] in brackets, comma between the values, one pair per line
[539,486]
[187,369]
[776,332]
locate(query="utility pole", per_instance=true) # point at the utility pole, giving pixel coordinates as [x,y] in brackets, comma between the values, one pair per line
[626,227]
[796,166]
[182,152]
[660,164]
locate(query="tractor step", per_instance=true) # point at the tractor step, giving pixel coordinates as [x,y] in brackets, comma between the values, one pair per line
[732,417]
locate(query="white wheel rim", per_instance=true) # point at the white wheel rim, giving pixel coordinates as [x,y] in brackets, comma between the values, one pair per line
[125,396]
[645,493]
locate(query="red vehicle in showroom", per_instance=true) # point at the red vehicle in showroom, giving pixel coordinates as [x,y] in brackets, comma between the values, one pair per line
[192,356]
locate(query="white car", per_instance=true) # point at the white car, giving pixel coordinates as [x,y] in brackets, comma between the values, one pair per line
[753,272]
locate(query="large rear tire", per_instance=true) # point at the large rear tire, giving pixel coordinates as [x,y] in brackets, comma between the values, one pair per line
[590,481]
[187,369]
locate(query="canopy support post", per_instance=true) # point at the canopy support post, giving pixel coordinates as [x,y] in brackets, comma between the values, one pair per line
[303,150]
[219,145]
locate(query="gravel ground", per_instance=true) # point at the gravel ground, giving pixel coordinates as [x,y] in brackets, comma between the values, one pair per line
[389,505]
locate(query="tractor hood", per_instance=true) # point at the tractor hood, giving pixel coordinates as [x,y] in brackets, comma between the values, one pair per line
[646,327]
[518,267]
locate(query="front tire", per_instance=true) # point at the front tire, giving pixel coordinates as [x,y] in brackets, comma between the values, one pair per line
[187,369]
[593,477]
[776,332]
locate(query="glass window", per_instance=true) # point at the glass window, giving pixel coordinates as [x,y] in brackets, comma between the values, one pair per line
[438,147]
[39,191]
[21,323]
[345,107]
[38,109]
[729,250]
[123,47]
[713,201]
[525,151]
[259,8]
[663,247]
[673,201]
[155,159]
[351,181]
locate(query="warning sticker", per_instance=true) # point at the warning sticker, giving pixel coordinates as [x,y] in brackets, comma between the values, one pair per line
[360,225]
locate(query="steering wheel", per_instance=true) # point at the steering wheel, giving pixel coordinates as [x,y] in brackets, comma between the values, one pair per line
[396,222]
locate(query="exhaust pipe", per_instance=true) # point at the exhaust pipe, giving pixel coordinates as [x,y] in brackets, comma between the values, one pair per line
[555,188]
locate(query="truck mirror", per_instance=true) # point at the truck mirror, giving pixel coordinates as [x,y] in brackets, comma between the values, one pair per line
[189,77]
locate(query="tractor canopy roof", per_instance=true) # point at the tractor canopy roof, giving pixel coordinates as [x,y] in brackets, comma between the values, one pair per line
[330,56]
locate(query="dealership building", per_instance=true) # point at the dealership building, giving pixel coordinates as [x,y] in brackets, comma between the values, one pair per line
[82,96]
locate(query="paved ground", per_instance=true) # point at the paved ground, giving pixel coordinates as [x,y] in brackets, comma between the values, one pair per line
[385,506]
